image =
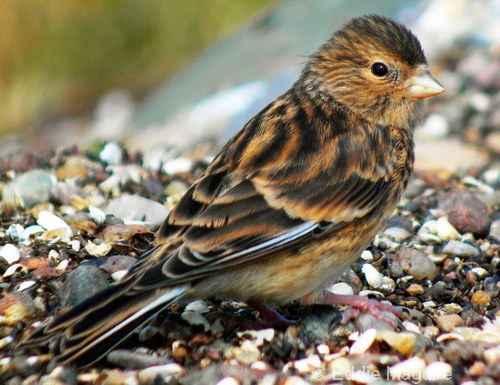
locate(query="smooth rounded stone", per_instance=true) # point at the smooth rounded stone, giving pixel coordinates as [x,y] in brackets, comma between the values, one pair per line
[461,249]
[367,321]
[177,165]
[341,288]
[10,253]
[438,371]
[416,263]
[367,256]
[112,153]
[73,167]
[492,286]
[468,214]
[132,360]
[403,342]
[492,176]
[445,230]
[51,222]
[372,275]
[363,342]
[117,263]
[412,368]
[28,189]
[167,371]
[196,319]
[82,283]
[136,208]
[397,234]
[494,234]
[480,298]
[17,306]
[448,322]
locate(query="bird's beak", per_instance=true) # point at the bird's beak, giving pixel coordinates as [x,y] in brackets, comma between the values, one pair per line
[424,86]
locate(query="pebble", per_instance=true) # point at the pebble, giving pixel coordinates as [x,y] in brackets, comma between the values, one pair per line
[363,342]
[415,289]
[397,234]
[73,167]
[402,342]
[196,319]
[14,231]
[10,253]
[132,360]
[177,166]
[82,283]
[28,189]
[117,263]
[372,275]
[438,371]
[416,263]
[448,322]
[480,298]
[468,214]
[411,369]
[445,230]
[341,288]
[135,208]
[258,336]
[17,307]
[165,372]
[494,233]
[52,222]
[112,153]
[367,256]
[461,249]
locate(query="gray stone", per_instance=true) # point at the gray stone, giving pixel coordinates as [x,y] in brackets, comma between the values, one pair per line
[461,249]
[81,284]
[29,189]
[416,263]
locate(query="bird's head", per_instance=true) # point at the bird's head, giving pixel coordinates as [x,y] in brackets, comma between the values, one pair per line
[376,68]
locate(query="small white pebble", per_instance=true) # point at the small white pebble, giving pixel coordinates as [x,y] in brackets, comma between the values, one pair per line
[372,275]
[97,214]
[177,165]
[367,256]
[50,221]
[54,256]
[26,285]
[259,365]
[31,230]
[341,288]
[480,101]
[117,276]
[10,253]
[75,245]
[412,369]
[194,318]
[112,153]
[14,231]
[63,265]
[228,381]
[438,371]
[429,304]
[199,306]
[323,349]
[445,231]
[411,327]
[363,343]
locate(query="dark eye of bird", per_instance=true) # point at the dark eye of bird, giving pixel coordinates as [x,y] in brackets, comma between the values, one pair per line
[379,69]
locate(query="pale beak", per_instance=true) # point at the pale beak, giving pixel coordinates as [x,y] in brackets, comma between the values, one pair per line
[424,86]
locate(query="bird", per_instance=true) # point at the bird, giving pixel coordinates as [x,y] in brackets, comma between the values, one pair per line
[287,204]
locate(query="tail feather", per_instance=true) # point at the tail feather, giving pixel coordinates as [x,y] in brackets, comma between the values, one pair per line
[87,332]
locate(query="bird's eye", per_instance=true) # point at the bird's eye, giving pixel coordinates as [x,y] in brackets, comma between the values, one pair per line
[379,69]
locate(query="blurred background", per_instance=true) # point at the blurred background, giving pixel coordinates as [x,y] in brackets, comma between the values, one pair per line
[181,72]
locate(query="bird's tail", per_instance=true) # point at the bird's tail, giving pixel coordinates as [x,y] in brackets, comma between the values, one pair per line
[88,331]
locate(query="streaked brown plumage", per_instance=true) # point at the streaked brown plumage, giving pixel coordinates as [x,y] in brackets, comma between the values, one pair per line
[288,203]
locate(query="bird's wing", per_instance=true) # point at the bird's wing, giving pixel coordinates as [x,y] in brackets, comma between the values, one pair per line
[245,209]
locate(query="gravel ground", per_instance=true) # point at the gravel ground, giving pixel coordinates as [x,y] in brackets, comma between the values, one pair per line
[67,231]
